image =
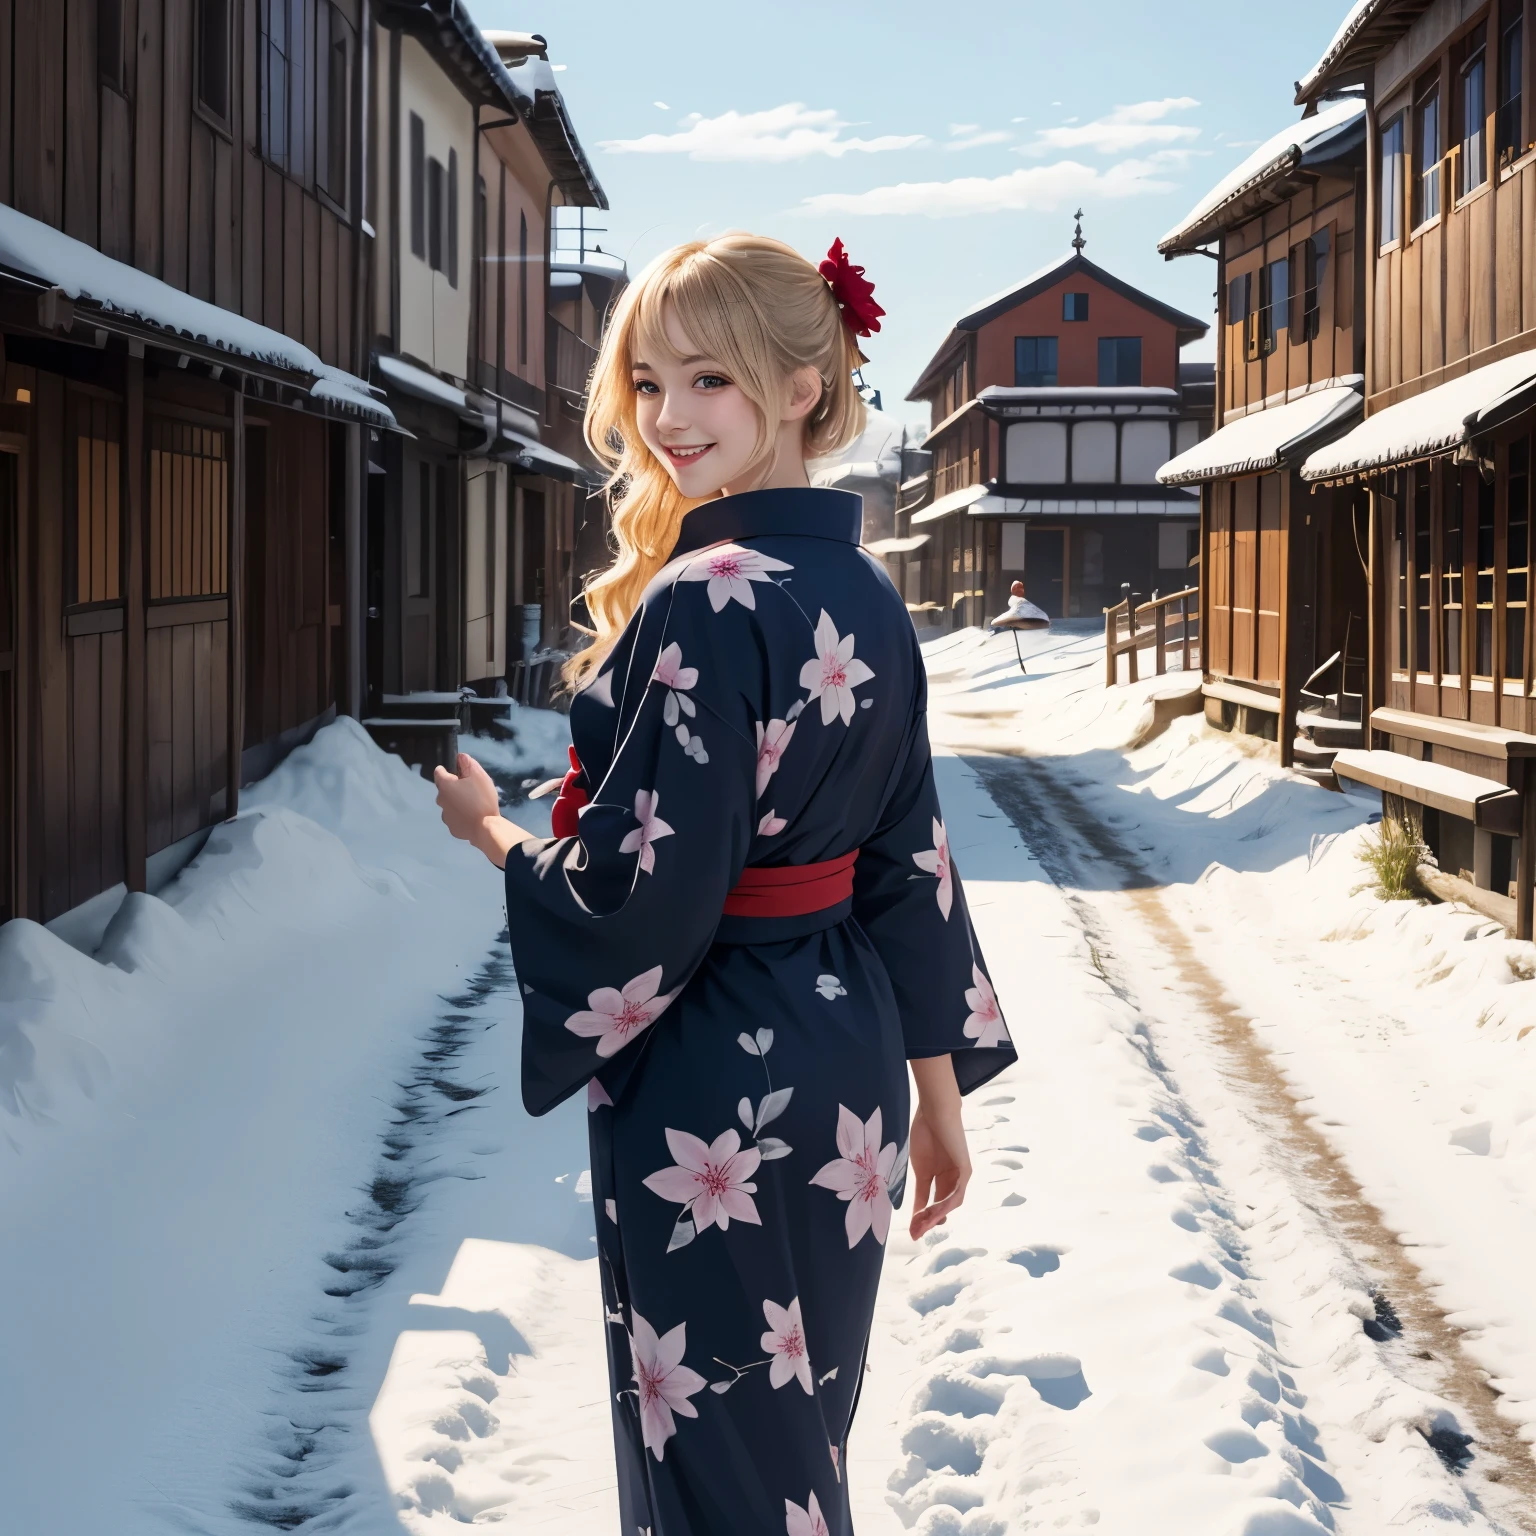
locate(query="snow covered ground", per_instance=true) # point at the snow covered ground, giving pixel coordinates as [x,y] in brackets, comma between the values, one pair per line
[282,1249]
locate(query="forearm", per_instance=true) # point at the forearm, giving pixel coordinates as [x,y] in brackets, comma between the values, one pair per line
[937,1090]
[496,837]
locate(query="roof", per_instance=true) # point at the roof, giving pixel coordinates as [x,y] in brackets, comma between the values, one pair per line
[1327,136]
[1277,438]
[525,88]
[1058,505]
[1435,422]
[48,258]
[1073,265]
[1370,28]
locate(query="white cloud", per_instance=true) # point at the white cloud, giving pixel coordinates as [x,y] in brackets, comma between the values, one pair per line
[1128,128]
[973,136]
[1030,189]
[664,107]
[791,132]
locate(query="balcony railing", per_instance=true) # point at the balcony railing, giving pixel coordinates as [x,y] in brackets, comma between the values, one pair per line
[956,476]
[574,361]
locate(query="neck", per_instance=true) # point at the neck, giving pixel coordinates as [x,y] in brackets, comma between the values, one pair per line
[783,471]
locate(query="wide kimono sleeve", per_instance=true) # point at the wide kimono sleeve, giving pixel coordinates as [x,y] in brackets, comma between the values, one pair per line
[908,898]
[607,926]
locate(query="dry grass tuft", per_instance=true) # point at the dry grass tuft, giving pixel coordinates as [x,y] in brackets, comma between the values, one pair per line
[1393,857]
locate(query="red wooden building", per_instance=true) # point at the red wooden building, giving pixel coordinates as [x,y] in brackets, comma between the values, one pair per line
[1054,404]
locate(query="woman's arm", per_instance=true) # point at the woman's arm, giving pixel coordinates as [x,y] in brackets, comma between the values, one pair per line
[939,1158]
[472,811]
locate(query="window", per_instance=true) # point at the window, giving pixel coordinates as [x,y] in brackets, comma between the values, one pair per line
[435,201]
[1391,223]
[1518,558]
[274,81]
[98,523]
[1450,576]
[1397,578]
[1034,362]
[188,512]
[1426,152]
[333,105]
[1239,291]
[1119,361]
[1275,300]
[1074,306]
[522,289]
[442,217]
[1309,269]
[213,57]
[1423,570]
[286,93]
[1511,127]
[451,216]
[1474,112]
[109,42]
[482,235]
[1482,634]
[418,151]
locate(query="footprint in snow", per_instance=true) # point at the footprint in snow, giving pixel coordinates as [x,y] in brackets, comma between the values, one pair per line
[1039,1261]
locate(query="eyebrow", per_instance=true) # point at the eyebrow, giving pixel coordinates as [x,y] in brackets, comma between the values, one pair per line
[682,362]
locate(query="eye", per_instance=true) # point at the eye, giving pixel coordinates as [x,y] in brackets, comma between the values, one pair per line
[711,381]
[646,387]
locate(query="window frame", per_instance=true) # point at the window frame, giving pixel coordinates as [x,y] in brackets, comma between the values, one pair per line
[1020,343]
[416,179]
[1471,54]
[1067,305]
[339,200]
[1510,15]
[1427,93]
[1118,342]
[222,123]
[1395,124]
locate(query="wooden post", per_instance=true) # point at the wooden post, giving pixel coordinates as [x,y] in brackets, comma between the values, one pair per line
[1111,637]
[135,727]
[1286,728]
[1160,630]
[1525,875]
[1184,627]
[235,713]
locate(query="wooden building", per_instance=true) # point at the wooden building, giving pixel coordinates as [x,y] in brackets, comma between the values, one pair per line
[1054,404]
[471,520]
[1284,600]
[183,419]
[1444,451]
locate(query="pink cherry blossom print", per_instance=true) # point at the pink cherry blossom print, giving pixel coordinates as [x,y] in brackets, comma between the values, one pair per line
[597,1096]
[835,672]
[935,861]
[671,673]
[650,829]
[771,825]
[785,1342]
[984,1024]
[807,1521]
[772,739]
[665,1384]
[615,1016]
[730,572]
[861,1176]
[713,1179]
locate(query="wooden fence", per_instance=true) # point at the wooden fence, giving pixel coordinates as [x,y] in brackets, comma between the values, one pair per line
[1164,625]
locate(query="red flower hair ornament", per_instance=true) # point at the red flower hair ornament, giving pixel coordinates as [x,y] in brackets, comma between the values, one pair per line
[854,293]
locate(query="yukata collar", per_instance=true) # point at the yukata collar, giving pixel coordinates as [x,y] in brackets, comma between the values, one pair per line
[810,513]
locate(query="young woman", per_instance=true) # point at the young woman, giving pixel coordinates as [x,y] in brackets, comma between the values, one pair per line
[747,922]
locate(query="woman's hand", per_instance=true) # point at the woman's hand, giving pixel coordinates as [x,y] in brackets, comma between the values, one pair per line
[939,1158]
[472,810]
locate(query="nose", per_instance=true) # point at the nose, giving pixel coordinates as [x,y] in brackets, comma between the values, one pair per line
[671,417]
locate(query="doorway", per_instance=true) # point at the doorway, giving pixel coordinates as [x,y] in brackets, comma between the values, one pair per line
[1045,569]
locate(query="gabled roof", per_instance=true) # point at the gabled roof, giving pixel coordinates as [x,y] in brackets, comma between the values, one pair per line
[1370,28]
[1075,265]
[1333,134]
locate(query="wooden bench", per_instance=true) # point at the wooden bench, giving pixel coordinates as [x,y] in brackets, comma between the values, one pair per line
[1486,803]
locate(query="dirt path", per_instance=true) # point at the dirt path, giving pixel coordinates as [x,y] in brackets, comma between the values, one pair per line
[1415,1338]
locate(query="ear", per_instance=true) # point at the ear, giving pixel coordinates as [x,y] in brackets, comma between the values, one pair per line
[803,393]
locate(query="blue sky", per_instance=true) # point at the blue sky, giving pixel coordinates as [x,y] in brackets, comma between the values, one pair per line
[947,144]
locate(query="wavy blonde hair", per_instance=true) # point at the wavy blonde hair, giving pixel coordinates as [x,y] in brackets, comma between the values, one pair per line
[762,311]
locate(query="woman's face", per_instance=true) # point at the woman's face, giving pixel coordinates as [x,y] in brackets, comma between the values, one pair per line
[693,416]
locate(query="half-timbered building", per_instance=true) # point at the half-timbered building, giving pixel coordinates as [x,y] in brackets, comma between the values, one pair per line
[1444,451]
[1284,607]
[184,425]
[1054,405]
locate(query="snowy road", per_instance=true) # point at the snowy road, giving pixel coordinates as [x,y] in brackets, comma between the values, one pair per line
[1246,1254]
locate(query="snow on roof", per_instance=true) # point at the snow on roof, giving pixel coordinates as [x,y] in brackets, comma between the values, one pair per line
[37,250]
[423,385]
[1263,440]
[1275,155]
[1359,14]
[1434,422]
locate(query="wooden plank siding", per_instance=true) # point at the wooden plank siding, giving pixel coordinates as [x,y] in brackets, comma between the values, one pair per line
[139,697]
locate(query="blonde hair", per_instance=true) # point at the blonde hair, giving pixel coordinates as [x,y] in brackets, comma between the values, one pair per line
[762,311]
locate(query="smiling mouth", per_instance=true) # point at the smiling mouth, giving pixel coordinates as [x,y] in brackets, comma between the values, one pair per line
[689,455]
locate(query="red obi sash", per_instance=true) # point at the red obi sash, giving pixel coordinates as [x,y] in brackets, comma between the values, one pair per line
[573,795]
[793,890]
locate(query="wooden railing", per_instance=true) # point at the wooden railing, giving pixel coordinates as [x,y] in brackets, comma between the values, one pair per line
[1165,624]
[956,476]
[574,360]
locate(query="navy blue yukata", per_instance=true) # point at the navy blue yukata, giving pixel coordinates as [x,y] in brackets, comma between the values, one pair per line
[746,1075]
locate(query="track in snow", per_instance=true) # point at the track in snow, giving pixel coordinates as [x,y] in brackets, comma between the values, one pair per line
[1417,1343]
